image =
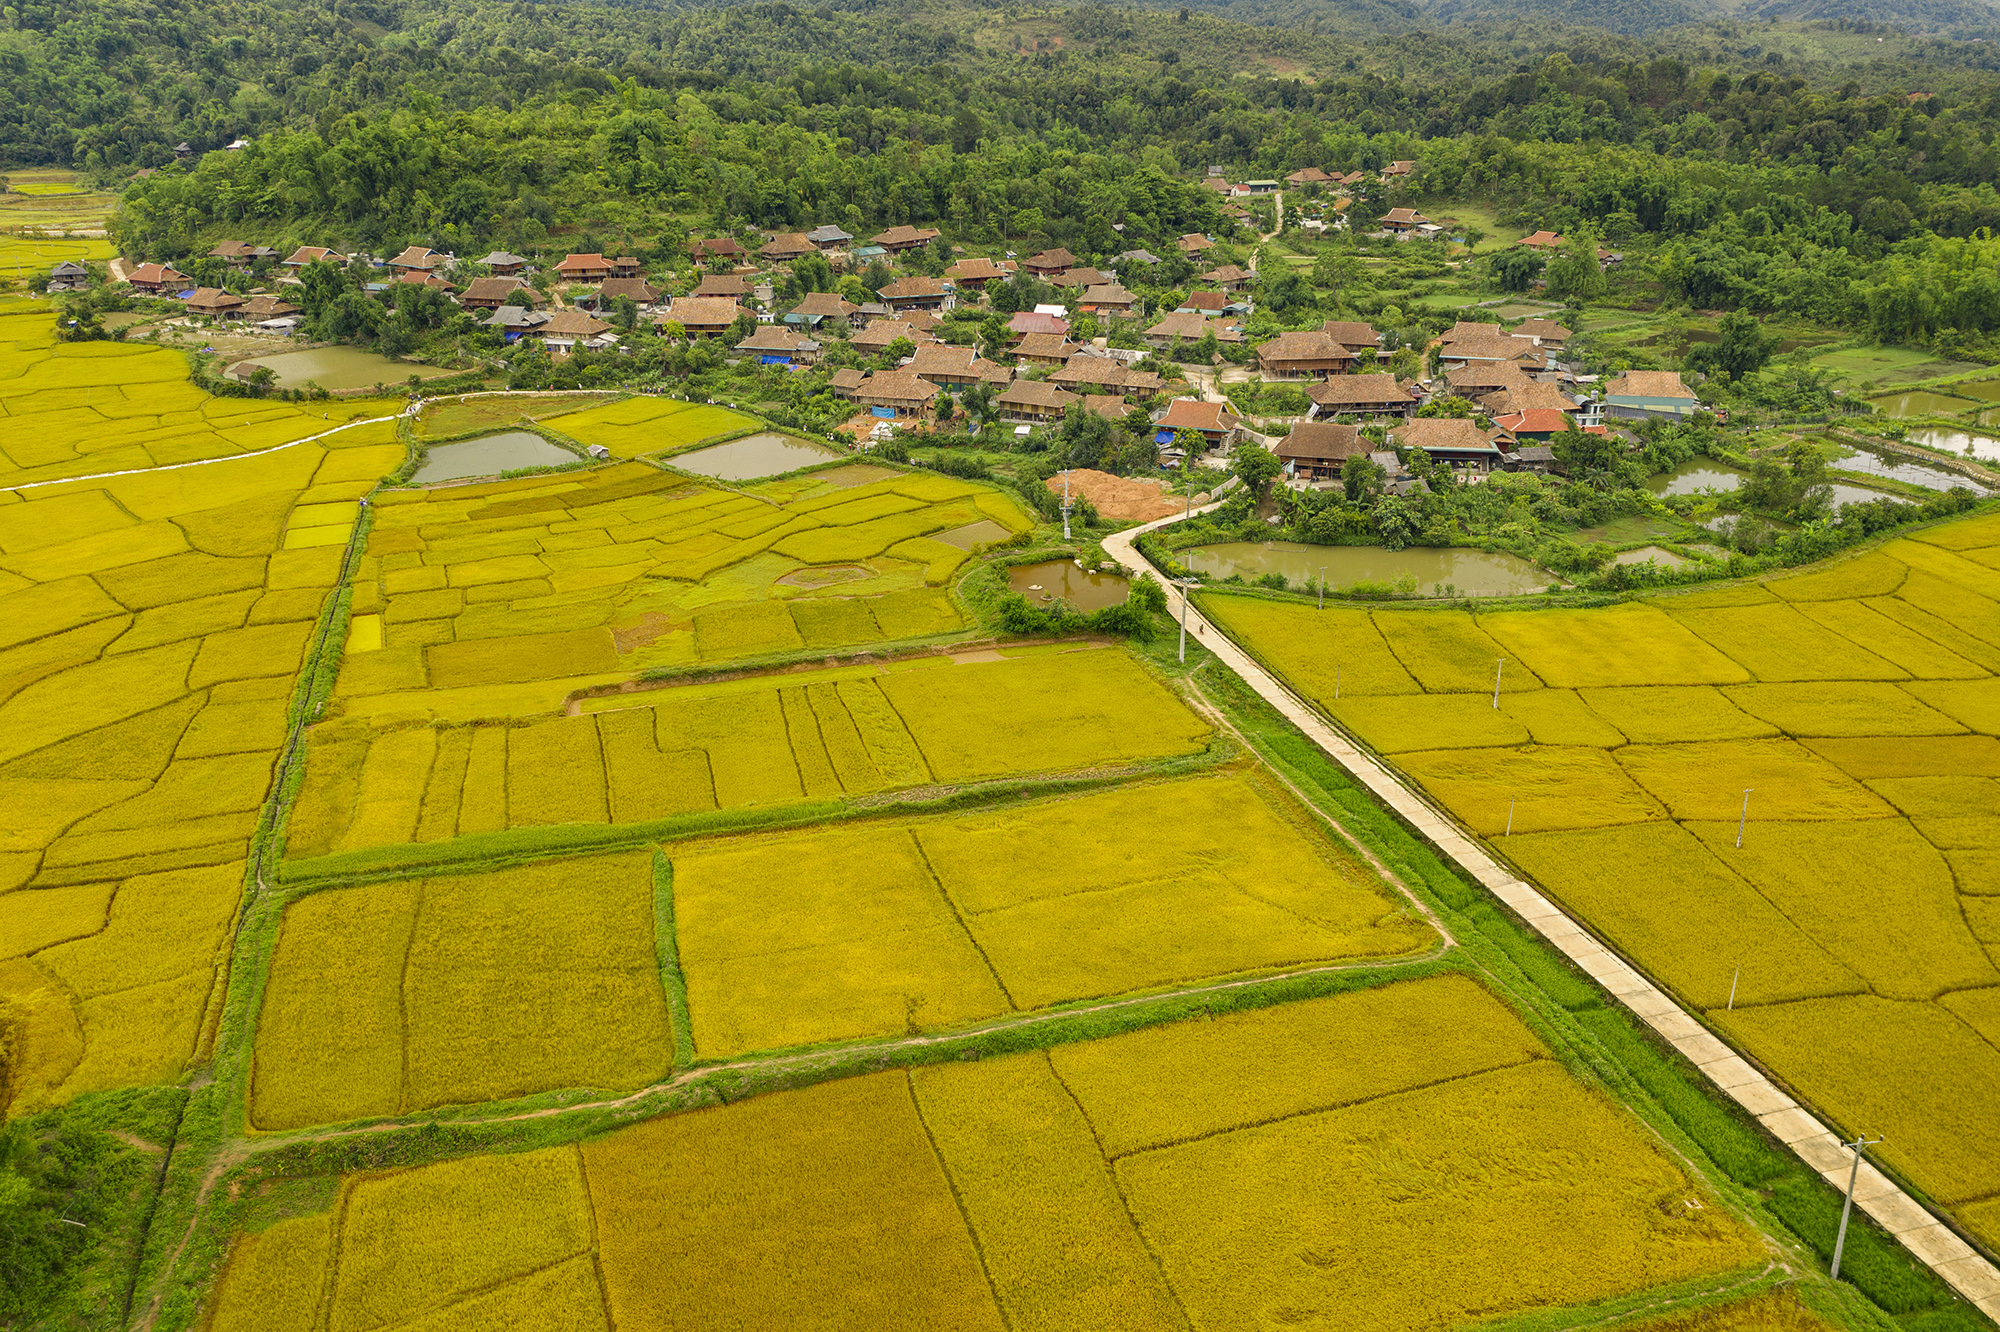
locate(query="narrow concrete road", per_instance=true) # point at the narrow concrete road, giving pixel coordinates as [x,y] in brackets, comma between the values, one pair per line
[1923,1234]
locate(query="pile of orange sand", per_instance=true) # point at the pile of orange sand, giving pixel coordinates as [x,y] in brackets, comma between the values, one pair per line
[1120,497]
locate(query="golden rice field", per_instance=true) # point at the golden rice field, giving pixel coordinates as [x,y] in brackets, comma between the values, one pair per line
[85,409]
[1858,704]
[399,996]
[763,740]
[634,427]
[152,628]
[903,925]
[451,417]
[1257,1166]
[501,599]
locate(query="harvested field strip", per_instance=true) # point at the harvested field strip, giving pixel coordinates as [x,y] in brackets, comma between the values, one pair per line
[962,1194]
[911,925]
[698,748]
[401,996]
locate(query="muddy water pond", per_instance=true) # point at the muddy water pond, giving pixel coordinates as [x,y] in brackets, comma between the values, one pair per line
[766,454]
[1052,579]
[1982,447]
[1469,572]
[490,455]
[1694,476]
[1899,467]
[342,368]
[1902,406]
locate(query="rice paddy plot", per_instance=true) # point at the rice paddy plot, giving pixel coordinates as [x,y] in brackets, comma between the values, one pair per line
[632,427]
[659,754]
[400,996]
[934,923]
[988,1194]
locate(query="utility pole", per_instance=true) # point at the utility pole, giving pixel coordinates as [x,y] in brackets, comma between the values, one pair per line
[1732,986]
[1322,587]
[1066,504]
[1860,1144]
[1184,586]
[1744,817]
[1501,665]
[1510,819]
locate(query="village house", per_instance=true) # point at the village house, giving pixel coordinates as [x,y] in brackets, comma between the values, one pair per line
[1217,425]
[1539,423]
[69,275]
[716,247]
[1395,169]
[264,307]
[1086,369]
[844,383]
[974,274]
[1190,328]
[1492,348]
[915,293]
[502,264]
[1356,337]
[1525,395]
[1229,277]
[956,367]
[312,254]
[721,284]
[829,237]
[1318,450]
[1308,176]
[490,293]
[214,303]
[566,330]
[417,259]
[1545,332]
[1311,355]
[896,395]
[1361,395]
[897,239]
[514,321]
[1205,303]
[787,246]
[1079,278]
[1220,184]
[1542,240]
[1050,263]
[584,268]
[1046,349]
[772,345]
[431,280]
[921,320]
[818,306]
[880,333]
[1137,257]
[635,289]
[1639,394]
[1034,402]
[703,316]
[1194,243]
[1109,299]
[1403,221]
[1458,443]
[241,254]
[1029,322]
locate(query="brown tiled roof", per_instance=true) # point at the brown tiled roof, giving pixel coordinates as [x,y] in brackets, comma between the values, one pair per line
[939,359]
[1028,322]
[1056,258]
[715,247]
[1485,378]
[1322,442]
[721,284]
[1109,293]
[905,235]
[1194,414]
[898,386]
[1227,273]
[1548,330]
[1193,242]
[1493,346]
[825,305]
[1406,215]
[703,311]
[1649,384]
[573,324]
[1308,346]
[848,379]
[1529,396]
[1351,333]
[307,254]
[1206,301]
[1308,176]
[632,288]
[214,298]
[1542,240]
[916,287]
[1081,277]
[1357,391]
[269,307]
[416,256]
[1441,432]
[152,274]
[1035,393]
[885,331]
[975,270]
[788,242]
[770,337]
[1191,326]
[503,291]
[1045,345]
[583,263]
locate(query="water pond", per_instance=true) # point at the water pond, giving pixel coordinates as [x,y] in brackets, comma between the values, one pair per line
[342,368]
[1469,572]
[982,533]
[1694,476]
[1982,447]
[1899,467]
[1045,582]
[766,454]
[490,455]
[1905,405]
